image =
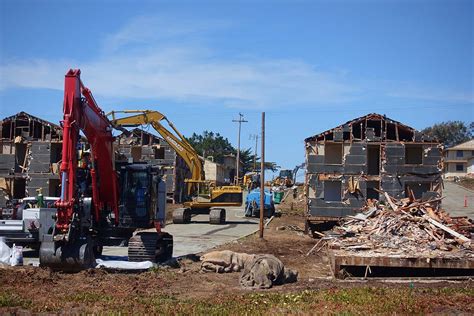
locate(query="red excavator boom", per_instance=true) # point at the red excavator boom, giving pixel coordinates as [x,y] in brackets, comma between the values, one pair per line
[81,113]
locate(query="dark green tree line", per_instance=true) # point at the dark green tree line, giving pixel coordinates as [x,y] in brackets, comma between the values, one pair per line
[451,133]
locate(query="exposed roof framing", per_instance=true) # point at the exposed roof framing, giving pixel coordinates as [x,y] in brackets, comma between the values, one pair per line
[400,128]
[22,114]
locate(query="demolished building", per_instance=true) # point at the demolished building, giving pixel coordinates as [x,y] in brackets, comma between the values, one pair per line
[30,156]
[30,152]
[142,146]
[348,164]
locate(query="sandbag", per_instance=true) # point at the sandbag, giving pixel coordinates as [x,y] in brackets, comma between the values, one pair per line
[224,261]
[259,271]
[265,271]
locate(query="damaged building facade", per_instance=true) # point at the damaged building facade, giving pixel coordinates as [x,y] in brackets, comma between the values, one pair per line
[30,152]
[348,164]
[142,146]
[30,157]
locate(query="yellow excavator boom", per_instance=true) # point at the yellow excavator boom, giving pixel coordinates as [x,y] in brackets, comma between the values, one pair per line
[178,143]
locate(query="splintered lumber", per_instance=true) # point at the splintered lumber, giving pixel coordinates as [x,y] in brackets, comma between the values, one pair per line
[389,200]
[405,227]
[314,247]
[446,229]
[402,237]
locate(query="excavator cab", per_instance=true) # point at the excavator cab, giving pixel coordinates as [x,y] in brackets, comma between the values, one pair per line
[142,205]
[143,196]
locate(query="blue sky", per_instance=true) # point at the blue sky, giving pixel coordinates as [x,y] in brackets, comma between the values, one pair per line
[310,65]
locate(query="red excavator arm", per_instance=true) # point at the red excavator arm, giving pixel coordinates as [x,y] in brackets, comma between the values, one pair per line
[81,113]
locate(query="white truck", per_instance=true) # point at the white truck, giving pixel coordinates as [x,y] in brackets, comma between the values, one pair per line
[19,223]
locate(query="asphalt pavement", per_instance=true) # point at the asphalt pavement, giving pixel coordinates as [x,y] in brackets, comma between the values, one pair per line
[199,236]
[454,200]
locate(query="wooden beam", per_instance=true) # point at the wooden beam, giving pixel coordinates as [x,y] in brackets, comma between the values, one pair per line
[446,229]
[389,200]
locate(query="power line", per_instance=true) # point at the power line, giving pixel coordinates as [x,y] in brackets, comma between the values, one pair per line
[237,161]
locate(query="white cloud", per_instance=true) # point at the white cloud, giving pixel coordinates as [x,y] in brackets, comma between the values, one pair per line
[188,75]
[154,58]
[35,73]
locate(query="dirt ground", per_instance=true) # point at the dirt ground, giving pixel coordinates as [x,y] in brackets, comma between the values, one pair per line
[468,183]
[186,290]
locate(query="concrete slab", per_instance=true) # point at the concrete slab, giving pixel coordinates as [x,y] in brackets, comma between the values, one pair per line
[199,235]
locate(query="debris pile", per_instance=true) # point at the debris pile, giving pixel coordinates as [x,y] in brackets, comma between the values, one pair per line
[407,227]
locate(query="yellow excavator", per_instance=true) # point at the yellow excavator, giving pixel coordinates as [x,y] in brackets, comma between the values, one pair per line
[215,199]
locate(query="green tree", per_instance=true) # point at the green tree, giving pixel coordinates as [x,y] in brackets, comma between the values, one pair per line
[211,144]
[450,133]
[248,158]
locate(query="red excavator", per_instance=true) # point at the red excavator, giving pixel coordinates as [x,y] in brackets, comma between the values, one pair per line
[102,203]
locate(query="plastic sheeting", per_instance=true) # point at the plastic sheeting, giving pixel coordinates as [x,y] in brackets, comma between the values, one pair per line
[124,265]
[5,252]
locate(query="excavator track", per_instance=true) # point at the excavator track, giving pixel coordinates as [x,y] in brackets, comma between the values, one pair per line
[182,216]
[217,216]
[150,246]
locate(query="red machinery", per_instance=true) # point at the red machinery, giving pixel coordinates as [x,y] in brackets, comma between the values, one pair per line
[85,115]
[101,203]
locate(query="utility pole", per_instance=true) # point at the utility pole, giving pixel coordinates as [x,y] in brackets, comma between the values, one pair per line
[262,176]
[255,136]
[237,162]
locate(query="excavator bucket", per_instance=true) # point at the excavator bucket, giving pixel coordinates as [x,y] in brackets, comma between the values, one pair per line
[68,257]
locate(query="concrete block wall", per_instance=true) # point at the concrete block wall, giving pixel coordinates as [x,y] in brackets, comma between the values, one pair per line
[345,164]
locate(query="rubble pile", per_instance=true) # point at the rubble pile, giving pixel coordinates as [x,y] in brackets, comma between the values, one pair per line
[407,226]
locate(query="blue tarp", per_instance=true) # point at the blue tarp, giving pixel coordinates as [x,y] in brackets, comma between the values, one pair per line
[253,199]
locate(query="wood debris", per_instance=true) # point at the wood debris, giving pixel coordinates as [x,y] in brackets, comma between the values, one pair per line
[407,226]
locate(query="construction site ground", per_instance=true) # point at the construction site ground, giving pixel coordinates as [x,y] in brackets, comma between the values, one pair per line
[186,290]
[195,237]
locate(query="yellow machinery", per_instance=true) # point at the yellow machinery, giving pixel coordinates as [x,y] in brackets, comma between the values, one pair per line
[285,178]
[252,180]
[217,197]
